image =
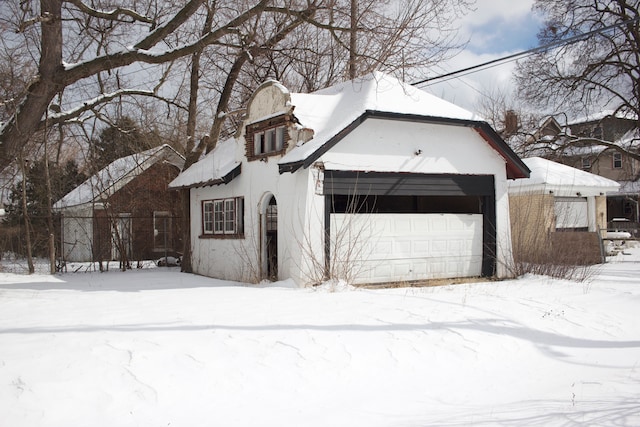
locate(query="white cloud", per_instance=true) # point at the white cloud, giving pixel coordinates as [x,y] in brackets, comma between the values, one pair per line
[487,10]
[466,90]
[495,29]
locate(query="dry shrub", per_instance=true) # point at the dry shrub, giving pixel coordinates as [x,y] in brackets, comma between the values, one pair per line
[539,249]
[350,242]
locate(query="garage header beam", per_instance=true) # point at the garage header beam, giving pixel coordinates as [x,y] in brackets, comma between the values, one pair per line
[394,184]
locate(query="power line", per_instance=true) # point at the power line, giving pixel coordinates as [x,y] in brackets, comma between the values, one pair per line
[498,61]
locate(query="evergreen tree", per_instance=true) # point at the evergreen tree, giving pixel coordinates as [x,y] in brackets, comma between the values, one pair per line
[121,139]
[64,178]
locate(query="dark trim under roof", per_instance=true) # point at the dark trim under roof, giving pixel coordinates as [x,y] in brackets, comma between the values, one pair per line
[515,166]
[224,180]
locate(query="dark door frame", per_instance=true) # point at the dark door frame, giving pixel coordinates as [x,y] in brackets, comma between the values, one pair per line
[352,183]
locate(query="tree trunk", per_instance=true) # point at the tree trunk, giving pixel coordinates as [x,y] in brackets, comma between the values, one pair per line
[186,265]
[353,41]
[190,156]
[25,215]
[47,179]
[44,88]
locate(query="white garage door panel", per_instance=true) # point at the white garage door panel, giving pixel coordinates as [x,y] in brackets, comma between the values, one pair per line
[571,212]
[397,247]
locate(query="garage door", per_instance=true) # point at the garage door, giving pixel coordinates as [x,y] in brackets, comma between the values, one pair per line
[571,212]
[375,248]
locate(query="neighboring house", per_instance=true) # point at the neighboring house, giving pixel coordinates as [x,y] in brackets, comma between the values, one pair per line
[606,126]
[537,141]
[368,181]
[558,198]
[576,145]
[125,211]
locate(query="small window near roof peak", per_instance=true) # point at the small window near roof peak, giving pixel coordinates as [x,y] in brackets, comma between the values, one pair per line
[266,138]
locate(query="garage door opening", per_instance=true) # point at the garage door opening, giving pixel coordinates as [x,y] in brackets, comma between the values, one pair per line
[417,226]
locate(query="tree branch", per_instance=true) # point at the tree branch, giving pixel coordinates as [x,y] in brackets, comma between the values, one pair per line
[163,31]
[113,15]
[99,100]
[140,54]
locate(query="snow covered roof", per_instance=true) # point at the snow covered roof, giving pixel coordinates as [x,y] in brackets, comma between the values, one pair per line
[117,174]
[563,180]
[565,143]
[331,110]
[601,115]
[630,139]
[216,167]
[628,188]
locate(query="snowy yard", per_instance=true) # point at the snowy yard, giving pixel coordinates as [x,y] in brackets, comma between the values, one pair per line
[155,347]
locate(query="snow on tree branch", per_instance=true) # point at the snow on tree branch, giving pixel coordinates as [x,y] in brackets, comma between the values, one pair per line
[45,17]
[140,52]
[101,99]
[114,14]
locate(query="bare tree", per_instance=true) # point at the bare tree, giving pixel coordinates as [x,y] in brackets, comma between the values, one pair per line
[402,38]
[600,70]
[27,220]
[120,40]
[89,49]
[511,118]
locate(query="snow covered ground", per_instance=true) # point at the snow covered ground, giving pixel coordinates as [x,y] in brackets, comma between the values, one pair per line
[155,347]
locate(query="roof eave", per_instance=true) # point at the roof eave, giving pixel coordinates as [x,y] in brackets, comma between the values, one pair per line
[515,166]
[560,190]
[236,171]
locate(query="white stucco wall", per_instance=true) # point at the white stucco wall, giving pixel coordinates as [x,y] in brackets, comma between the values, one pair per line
[300,210]
[270,99]
[389,146]
[240,258]
[377,145]
[385,145]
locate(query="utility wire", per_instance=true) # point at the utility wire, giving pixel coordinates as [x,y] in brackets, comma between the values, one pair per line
[511,57]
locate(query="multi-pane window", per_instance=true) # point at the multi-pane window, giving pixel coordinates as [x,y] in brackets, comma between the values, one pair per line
[223,216]
[207,217]
[218,217]
[617,160]
[269,141]
[162,230]
[586,163]
[230,216]
[272,215]
[258,143]
[268,137]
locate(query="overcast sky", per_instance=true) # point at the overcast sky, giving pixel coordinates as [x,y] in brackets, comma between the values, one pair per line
[496,28]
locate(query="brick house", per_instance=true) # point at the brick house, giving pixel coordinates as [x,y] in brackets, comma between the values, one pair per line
[125,211]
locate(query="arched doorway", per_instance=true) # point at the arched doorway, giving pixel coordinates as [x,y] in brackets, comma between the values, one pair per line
[270,238]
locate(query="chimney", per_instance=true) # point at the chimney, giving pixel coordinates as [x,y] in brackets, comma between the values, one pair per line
[510,122]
